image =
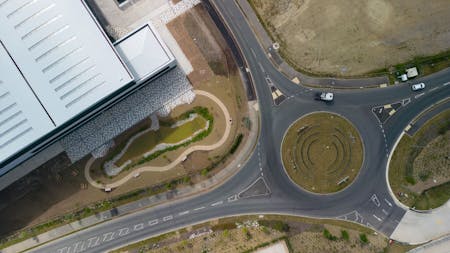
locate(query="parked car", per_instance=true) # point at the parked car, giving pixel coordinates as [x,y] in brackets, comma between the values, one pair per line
[418,86]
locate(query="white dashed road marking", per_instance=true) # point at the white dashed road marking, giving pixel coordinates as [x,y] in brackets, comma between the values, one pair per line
[199,208]
[387,202]
[167,218]
[153,222]
[419,95]
[183,213]
[376,217]
[217,203]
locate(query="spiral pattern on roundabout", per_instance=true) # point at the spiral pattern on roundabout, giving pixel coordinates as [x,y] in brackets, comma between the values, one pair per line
[322,152]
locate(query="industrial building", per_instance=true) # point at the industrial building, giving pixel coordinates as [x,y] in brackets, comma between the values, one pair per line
[58,70]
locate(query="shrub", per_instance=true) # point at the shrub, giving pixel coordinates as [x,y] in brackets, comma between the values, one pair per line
[344,235]
[363,238]
[328,235]
[410,180]
[236,143]
[281,226]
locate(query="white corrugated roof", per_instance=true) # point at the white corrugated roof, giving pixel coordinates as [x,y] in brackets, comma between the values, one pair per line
[22,118]
[59,62]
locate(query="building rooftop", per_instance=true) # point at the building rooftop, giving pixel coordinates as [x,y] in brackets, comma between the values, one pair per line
[55,63]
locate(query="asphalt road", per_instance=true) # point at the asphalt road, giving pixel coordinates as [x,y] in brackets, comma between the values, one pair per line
[366,201]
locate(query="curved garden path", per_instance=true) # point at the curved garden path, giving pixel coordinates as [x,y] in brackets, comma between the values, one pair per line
[179,159]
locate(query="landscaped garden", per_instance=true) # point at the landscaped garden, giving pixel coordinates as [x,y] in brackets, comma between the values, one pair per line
[419,171]
[322,152]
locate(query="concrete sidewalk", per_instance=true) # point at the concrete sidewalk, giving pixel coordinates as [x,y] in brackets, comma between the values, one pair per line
[439,246]
[177,194]
[421,227]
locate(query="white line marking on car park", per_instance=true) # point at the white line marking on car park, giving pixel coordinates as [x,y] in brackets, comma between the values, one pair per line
[419,95]
[167,218]
[183,213]
[384,211]
[217,203]
[153,222]
[376,217]
[199,208]
[387,202]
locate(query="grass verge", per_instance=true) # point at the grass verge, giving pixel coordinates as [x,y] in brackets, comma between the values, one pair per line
[404,178]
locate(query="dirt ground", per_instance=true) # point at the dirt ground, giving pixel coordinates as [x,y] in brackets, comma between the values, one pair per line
[354,37]
[58,188]
[322,152]
[245,234]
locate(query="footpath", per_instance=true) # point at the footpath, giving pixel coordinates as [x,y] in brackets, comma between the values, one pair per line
[270,47]
[176,194]
[174,163]
[418,227]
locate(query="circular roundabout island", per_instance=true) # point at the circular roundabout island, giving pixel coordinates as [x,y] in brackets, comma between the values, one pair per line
[322,152]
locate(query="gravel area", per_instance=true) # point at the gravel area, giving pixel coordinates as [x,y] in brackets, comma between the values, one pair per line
[159,95]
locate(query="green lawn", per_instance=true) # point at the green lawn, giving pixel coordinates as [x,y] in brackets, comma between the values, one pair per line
[165,134]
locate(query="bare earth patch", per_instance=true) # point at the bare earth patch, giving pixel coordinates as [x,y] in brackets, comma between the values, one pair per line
[354,37]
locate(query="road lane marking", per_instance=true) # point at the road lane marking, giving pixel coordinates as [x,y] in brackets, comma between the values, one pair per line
[75,248]
[108,237]
[62,250]
[253,52]
[419,95]
[138,227]
[121,233]
[183,213]
[167,218]
[387,202]
[153,222]
[233,198]
[199,208]
[375,200]
[384,211]
[376,217]
[217,203]
[96,242]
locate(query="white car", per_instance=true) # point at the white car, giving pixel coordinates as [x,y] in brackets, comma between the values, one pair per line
[325,96]
[418,86]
